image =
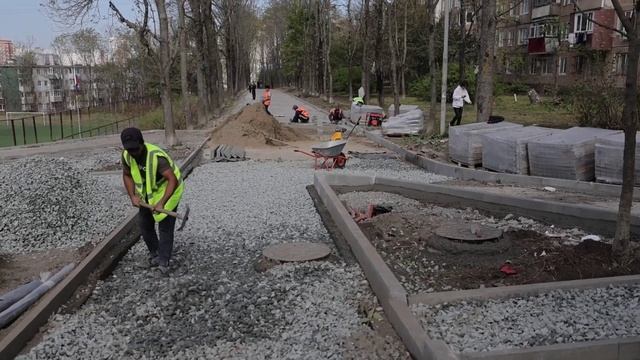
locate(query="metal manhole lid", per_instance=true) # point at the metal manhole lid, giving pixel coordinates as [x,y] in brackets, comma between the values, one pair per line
[468,232]
[296,252]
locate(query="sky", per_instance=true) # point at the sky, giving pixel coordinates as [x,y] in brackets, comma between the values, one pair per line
[25,20]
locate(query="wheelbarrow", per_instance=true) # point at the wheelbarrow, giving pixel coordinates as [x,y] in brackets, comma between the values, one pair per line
[329,155]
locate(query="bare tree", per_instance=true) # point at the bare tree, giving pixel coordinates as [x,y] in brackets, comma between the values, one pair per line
[430,121]
[631,26]
[365,49]
[484,94]
[393,48]
[184,84]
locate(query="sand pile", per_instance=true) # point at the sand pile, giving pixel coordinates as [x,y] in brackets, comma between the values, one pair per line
[253,127]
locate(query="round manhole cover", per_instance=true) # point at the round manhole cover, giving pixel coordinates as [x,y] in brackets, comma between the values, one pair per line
[468,232]
[296,252]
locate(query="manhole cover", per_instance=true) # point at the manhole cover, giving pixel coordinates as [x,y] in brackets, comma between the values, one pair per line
[301,251]
[468,232]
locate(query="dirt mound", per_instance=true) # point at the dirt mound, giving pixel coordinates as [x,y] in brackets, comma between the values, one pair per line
[253,127]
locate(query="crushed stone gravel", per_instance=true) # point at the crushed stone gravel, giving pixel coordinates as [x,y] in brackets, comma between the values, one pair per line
[53,203]
[214,304]
[562,316]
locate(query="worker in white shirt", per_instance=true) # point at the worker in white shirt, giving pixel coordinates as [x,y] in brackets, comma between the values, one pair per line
[460,96]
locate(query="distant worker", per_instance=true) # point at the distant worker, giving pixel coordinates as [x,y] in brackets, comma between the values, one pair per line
[358,100]
[300,115]
[336,115]
[460,96]
[150,175]
[266,99]
[252,90]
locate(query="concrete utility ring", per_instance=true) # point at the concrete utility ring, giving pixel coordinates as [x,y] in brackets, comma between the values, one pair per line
[296,252]
[470,233]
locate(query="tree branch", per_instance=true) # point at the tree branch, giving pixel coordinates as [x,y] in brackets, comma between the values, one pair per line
[142,31]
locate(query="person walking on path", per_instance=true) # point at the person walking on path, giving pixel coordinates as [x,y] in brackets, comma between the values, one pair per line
[150,175]
[460,96]
[266,99]
[252,90]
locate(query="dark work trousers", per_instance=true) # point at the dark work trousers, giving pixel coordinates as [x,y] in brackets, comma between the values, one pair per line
[253,93]
[457,117]
[162,248]
[266,108]
[297,117]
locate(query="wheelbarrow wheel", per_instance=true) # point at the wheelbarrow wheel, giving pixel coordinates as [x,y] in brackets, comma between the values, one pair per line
[340,161]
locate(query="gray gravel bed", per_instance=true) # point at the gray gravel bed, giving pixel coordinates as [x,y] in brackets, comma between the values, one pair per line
[390,168]
[215,305]
[53,203]
[563,316]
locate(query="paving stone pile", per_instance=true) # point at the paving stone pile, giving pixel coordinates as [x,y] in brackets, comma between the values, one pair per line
[53,203]
[563,316]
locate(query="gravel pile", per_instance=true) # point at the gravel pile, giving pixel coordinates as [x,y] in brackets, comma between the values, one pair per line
[52,203]
[556,317]
[215,305]
[390,168]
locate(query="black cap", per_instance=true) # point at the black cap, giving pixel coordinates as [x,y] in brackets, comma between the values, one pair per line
[131,138]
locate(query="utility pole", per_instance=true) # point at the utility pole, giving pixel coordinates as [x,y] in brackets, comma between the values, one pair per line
[445,63]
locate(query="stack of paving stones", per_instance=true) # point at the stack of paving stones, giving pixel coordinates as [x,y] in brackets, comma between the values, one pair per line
[465,141]
[608,158]
[506,150]
[569,154]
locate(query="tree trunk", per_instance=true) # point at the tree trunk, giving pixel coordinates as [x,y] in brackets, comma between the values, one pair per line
[431,120]
[379,53]
[630,119]
[463,41]
[394,63]
[484,95]
[165,65]
[184,84]
[403,64]
[365,50]
[350,49]
[329,69]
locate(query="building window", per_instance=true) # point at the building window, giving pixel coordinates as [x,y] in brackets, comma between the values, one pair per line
[39,83]
[562,65]
[536,31]
[583,23]
[45,83]
[524,7]
[513,8]
[540,66]
[566,2]
[507,66]
[523,36]
[500,39]
[621,63]
[469,17]
[581,62]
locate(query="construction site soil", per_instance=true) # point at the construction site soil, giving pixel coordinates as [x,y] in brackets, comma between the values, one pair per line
[253,127]
[402,239]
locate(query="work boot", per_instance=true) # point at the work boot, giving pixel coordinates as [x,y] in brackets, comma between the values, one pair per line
[164,270]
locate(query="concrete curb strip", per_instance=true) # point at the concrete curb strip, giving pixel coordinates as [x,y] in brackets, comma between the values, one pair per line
[30,322]
[491,177]
[614,349]
[518,290]
[385,285]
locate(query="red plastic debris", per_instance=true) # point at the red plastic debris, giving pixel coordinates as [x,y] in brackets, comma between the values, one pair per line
[508,269]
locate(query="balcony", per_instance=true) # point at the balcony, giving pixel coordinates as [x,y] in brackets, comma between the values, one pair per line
[552,9]
[542,45]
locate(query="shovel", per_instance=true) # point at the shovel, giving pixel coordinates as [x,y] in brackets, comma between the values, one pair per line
[182,217]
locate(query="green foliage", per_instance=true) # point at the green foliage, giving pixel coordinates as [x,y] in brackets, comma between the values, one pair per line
[341,79]
[421,87]
[294,44]
[598,104]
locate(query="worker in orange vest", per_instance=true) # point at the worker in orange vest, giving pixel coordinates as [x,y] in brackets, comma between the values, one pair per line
[266,98]
[300,115]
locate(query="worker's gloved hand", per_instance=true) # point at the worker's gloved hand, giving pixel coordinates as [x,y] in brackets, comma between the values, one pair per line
[135,201]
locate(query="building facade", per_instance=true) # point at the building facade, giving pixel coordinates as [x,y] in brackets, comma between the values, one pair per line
[45,85]
[549,43]
[7,51]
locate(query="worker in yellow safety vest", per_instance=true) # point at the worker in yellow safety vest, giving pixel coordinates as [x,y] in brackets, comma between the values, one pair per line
[150,175]
[266,99]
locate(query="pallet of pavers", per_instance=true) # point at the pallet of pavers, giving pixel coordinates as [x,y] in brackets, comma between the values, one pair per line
[506,150]
[568,154]
[465,141]
[608,157]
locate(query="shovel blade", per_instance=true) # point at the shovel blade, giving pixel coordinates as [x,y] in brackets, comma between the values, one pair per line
[185,217]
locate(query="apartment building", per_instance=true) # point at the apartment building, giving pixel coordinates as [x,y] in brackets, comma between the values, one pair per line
[6,51]
[48,86]
[547,42]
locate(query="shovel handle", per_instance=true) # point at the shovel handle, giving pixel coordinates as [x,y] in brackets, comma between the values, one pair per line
[167,212]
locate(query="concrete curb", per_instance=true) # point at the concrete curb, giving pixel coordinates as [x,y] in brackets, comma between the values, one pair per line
[614,349]
[588,217]
[385,285]
[462,173]
[518,290]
